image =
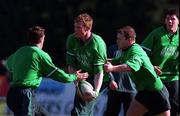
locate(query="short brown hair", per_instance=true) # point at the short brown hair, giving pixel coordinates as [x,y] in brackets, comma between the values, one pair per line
[86,19]
[128,32]
[172,11]
[35,33]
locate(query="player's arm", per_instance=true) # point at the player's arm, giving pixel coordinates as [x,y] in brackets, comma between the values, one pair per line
[117,68]
[50,70]
[98,79]
[100,58]
[72,70]
[134,63]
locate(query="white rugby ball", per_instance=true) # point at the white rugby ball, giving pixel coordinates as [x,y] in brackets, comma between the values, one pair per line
[85,87]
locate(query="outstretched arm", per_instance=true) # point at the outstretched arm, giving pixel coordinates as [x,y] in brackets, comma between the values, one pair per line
[116,68]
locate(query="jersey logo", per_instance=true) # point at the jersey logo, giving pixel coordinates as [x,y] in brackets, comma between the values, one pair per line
[169,51]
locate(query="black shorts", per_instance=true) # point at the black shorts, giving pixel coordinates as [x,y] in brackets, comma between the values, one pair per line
[22,102]
[155,101]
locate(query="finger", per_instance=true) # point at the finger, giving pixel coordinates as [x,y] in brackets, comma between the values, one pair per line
[109,60]
[84,76]
[79,71]
[108,63]
[106,69]
[105,65]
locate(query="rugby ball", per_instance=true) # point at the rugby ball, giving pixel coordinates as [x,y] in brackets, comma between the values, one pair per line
[85,87]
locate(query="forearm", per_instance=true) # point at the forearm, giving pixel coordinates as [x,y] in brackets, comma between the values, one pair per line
[121,68]
[98,79]
[61,76]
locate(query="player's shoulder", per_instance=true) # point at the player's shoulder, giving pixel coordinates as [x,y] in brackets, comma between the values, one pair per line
[71,38]
[39,51]
[159,29]
[97,39]
[136,48]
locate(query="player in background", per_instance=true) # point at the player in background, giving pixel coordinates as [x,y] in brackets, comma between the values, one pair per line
[162,47]
[151,95]
[121,89]
[4,79]
[28,65]
[87,51]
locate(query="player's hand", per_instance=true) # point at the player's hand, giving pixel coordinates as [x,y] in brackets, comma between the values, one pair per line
[81,76]
[158,70]
[113,85]
[108,67]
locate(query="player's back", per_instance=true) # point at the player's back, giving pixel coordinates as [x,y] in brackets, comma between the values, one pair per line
[25,66]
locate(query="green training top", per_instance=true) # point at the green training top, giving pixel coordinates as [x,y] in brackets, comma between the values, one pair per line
[143,73]
[89,56]
[29,64]
[163,49]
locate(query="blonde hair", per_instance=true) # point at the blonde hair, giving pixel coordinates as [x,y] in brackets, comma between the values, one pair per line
[85,18]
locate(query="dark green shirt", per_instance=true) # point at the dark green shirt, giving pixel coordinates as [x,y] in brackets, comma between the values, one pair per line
[29,64]
[143,73]
[123,79]
[163,50]
[90,56]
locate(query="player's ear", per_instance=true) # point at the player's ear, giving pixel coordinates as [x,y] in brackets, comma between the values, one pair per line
[41,39]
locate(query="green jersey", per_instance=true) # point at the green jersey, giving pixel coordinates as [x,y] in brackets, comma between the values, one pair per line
[90,56]
[163,49]
[29,64]
[143,72]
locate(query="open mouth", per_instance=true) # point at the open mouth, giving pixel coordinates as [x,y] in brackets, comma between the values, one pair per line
[170,26]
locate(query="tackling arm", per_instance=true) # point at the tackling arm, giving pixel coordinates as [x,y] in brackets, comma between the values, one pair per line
[116,68]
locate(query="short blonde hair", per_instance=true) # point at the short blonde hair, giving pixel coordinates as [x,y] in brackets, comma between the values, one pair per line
[86,19]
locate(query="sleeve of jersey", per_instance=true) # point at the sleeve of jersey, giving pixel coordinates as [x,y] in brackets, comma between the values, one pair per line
[50,70]
[70,56]
[134,62]
[147,44]
[100,57]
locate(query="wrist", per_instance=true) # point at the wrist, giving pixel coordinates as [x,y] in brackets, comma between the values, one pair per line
[96,92]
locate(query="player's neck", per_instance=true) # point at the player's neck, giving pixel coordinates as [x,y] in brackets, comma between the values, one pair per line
[87,37]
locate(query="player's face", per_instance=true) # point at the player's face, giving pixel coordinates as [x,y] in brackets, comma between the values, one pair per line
[172,23]
[79,30]
[122,42]
[42,41]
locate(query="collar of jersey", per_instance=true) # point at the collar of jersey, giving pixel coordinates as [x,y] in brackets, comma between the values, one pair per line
[89,39]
